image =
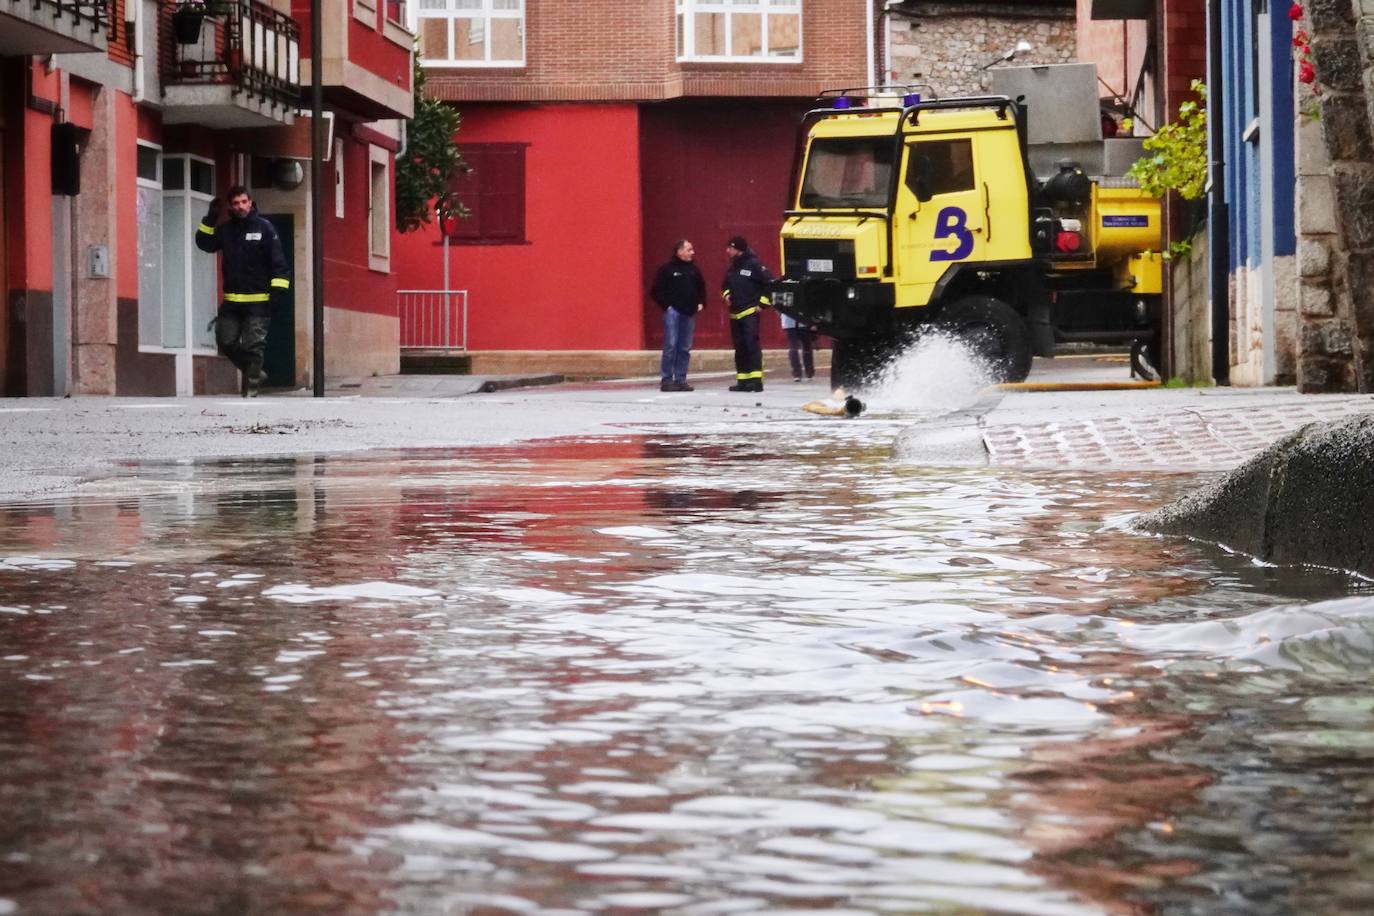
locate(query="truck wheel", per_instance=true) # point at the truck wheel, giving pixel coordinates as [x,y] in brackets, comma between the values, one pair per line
[995,332]
[1143,361]
[857,362]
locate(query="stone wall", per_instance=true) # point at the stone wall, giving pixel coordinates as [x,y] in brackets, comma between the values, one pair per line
[947,45]
[1191,312]
[1336,204]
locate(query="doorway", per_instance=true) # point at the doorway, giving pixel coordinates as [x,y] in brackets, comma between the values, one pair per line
[279,360]
[4,267]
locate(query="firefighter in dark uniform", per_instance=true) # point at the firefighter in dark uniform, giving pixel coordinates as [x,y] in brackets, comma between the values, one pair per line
[745,290]
[255,273]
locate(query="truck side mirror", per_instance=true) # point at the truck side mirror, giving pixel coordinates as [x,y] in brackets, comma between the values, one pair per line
[920,177]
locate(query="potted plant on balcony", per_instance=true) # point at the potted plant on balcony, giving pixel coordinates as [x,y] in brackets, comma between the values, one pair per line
[186,20]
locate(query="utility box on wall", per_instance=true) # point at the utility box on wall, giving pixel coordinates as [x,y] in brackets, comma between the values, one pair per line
[98,262]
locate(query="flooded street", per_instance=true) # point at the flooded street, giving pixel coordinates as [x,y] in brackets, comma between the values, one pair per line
[699,674]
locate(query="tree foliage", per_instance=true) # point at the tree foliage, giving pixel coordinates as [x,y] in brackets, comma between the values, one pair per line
[430,161]
[1177,153]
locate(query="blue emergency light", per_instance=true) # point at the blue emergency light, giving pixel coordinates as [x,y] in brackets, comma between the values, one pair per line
[842,101]
[911,98]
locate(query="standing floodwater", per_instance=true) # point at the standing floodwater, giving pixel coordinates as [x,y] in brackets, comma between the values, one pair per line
[696,675]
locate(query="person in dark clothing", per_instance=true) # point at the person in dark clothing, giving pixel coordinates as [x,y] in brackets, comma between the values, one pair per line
[800,338]
[254,272]
[745,289]
[680,291]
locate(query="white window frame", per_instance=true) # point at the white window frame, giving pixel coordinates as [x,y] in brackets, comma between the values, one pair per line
[485,12]
[378,209]
[194,199]
[152,185]
[202,200]
[338,178]
[685,12]
[365,11]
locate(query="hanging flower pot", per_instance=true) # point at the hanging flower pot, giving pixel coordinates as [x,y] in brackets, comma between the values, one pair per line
[186,22]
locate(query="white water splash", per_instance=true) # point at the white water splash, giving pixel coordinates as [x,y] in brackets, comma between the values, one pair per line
[938,372]
[296,593]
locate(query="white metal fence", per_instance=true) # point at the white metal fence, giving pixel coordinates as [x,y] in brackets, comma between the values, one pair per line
[433,319]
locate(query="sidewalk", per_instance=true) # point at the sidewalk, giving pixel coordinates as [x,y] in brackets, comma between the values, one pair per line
[61,446]
[1160,429]
[426,386]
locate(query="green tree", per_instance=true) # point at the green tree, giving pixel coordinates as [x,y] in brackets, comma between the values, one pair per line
[430,161]
[1177,157]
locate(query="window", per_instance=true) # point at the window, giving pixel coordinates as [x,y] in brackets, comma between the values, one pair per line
[942,166]
[494,193]
[848,173]
[177,281]
[752,30]
[339,179]
[379,210]
[149,212]
[471,33]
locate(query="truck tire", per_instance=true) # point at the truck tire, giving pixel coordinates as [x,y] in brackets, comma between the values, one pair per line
[1143,362]
[857,362]
[994,331]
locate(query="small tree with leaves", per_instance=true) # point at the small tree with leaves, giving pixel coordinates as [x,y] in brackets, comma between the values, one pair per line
[430,161]
[1177,157]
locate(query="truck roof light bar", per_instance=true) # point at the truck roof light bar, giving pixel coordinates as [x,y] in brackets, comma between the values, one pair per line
[882,94]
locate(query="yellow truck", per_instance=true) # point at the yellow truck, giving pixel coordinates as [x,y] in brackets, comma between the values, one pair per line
[907,214]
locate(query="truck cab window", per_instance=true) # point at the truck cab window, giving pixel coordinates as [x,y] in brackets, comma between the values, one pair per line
[940,167]
[850,172]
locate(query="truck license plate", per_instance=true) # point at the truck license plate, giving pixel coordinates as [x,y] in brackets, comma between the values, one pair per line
[820,266]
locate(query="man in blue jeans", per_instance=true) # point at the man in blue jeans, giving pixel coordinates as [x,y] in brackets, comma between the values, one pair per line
[680,290]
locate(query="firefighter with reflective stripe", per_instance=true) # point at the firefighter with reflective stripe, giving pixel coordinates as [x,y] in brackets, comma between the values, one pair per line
[255,273]
[745,290]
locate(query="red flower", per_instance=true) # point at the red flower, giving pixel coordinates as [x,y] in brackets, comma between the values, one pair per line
[1306,72]
[1295,12]
[1300,39]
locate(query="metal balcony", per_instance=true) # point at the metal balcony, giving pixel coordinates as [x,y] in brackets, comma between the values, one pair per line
[54,26]
[243,72]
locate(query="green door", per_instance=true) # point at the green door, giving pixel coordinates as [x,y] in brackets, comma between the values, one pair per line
[279,362]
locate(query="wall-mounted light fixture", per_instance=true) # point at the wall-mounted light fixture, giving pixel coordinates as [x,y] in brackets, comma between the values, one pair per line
[1022,47]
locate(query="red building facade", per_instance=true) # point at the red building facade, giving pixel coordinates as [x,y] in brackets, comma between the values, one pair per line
[601,132]
[115,133]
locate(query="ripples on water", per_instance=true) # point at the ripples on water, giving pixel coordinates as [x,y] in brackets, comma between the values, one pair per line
[706,675]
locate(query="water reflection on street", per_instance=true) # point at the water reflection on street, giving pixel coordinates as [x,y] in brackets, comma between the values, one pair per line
[700,675]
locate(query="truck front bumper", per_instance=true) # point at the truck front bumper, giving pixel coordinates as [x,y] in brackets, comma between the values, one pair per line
[838,308]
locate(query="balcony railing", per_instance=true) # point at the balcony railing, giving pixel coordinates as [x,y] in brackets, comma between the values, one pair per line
[96,13]
[54,26]
[244,44]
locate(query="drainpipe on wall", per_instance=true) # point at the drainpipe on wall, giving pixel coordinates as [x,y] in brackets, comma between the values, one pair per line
[871,75]
[886,21]
[316,203]
[133,19]
[1218,235]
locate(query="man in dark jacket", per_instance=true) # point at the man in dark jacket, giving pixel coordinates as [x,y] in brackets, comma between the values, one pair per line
[745,290]
[680,291]
[254,271]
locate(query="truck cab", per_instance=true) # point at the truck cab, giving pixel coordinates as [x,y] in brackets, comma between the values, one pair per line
[908,214]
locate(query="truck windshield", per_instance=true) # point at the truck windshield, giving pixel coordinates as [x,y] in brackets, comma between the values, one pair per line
[847,172]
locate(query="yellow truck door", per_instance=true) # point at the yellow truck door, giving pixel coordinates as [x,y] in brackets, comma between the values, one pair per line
[940,216]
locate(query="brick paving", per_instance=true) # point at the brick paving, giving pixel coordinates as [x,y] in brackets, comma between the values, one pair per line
[1174,437]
